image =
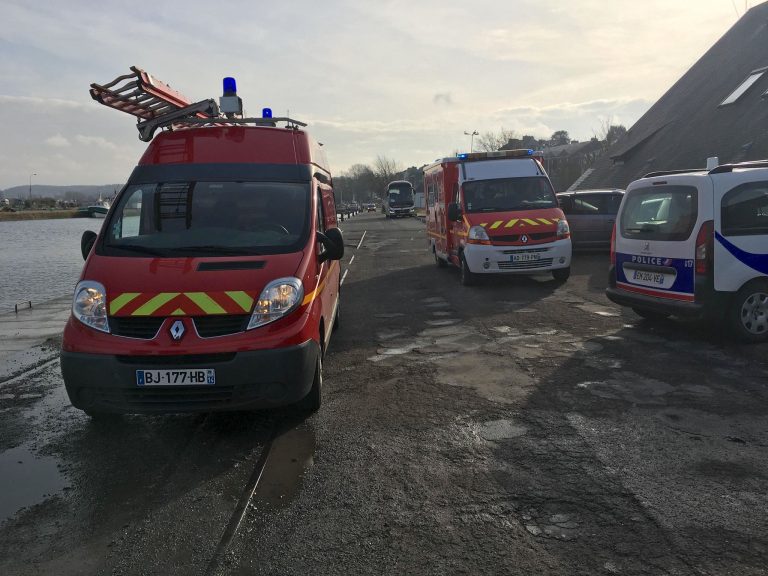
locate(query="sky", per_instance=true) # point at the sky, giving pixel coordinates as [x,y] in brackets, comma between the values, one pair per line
[399,78]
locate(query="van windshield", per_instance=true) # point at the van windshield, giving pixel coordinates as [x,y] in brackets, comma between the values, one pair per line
[660,213]
[506,194]
[181,219]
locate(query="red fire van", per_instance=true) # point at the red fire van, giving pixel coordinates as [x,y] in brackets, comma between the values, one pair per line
[496,213]
[214,282]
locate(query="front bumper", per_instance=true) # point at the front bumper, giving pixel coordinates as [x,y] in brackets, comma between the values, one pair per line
[401,212]
[244,381]
[484,259]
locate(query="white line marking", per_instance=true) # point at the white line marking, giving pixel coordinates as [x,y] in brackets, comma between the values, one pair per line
[351,260]
[361,239]
[345,275]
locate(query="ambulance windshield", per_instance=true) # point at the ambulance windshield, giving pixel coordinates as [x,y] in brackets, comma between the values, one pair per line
[181,219]
[507,194]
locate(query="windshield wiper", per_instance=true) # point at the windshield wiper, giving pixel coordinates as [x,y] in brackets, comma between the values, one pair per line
[211,249]
[138,248]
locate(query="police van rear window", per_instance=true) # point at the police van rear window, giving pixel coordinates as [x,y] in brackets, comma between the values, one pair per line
[666,213]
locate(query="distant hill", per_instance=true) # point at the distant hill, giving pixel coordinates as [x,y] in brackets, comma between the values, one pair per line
[75,191]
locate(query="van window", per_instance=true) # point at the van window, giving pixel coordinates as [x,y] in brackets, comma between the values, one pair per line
[208,218]
[505,194]
[593,204]
[660,213]
[744,210]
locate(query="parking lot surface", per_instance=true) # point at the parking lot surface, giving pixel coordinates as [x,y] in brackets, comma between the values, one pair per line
[520,426]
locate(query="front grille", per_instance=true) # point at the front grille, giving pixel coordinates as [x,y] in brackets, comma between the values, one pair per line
[202,360]
[527,251]
[543,263]
[142,327]
[212,326]
[533,237]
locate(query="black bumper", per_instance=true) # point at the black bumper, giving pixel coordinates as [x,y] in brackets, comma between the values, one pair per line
[244,381]
[666,306]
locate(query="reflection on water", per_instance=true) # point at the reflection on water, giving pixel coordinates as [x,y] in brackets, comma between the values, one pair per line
[40,259]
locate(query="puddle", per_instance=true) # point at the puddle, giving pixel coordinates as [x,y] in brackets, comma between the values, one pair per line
[26,479]
[292,454]
[390,315]
[440,313]
[446,322]
[501,430]
[434,300]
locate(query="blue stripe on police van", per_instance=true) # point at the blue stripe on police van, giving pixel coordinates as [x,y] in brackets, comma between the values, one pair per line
[757,262]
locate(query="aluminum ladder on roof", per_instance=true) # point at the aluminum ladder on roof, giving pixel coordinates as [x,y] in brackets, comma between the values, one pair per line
[153,102]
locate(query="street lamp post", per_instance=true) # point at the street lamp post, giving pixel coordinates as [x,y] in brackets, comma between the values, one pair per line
[471,139]
[30,184]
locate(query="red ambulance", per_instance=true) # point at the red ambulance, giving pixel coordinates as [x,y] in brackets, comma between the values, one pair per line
[214,282]
[495,213]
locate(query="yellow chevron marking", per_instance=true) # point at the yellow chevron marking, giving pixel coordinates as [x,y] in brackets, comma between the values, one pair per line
[241,299]
[484,224]
[155,303]
[311,296]
[531,222]
[497,224]
[511,223]
[205,302]
[118,303]
[178,312]
[544,220]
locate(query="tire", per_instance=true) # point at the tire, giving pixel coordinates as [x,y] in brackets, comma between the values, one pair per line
[561,274]
[468,278]
[439,261]
[748,313]
[314,398]
[651,315]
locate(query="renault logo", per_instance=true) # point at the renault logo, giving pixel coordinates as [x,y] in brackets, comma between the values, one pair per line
[524,239]
[177,330]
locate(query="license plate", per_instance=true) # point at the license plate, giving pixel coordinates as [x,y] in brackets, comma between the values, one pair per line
[643,277]
[194,377]
[525,257]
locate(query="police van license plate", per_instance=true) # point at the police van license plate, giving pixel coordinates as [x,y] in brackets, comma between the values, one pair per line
[525,257]
[648,278]
[194,377]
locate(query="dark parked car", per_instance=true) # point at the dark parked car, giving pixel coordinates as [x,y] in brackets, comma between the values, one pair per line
[591,215]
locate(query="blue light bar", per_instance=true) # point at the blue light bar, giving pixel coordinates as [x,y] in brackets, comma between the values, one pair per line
[230,86]
[464,155]
[266,113]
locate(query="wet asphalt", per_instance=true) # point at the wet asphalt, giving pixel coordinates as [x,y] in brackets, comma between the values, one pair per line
[520,426]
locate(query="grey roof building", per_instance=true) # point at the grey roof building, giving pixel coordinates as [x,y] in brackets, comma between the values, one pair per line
[718,108]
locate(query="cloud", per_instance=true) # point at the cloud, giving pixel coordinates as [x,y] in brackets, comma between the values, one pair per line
[37,103]
[98,141]
[443,98]
[57,141]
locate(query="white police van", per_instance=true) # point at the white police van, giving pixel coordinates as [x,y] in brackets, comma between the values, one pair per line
[695,243]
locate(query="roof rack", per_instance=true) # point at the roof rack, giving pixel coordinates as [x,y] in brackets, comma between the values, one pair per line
[731,167]
[157,105]
[670,172]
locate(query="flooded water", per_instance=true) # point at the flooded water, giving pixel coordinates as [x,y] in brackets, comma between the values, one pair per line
[40,259]
[27,479]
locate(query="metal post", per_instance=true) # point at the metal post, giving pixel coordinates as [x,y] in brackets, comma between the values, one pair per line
[30,184]
[471,139]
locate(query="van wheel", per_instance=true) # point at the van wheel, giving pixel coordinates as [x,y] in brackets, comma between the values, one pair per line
[748,314]
[651,315]
[467,276]
[561,274]
[314,398]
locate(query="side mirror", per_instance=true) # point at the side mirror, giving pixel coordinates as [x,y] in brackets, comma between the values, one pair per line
[454,212]
[333,244]
[86,243]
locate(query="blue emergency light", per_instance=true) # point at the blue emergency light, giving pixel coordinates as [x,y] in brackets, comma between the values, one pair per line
[230,86]
[266,113]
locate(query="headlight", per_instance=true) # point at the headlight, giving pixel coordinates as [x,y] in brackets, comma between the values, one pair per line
[563,230]
[278,298]
[478,233]
[90,305]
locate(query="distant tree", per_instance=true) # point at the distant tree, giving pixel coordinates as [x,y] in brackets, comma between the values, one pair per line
[385,169]
[614,134]
[529,141]
[559,138]
[492,141]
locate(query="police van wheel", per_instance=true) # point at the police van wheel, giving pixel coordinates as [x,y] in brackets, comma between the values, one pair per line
[749,313]
[651,315]
[467,276]
[561,274]
[314,398]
